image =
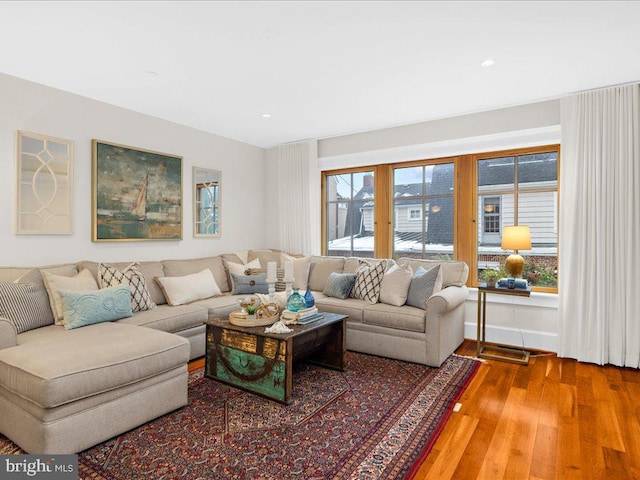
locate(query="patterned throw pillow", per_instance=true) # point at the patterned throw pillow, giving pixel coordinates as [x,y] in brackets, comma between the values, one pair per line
[109,276]
[368,280]
[24,305]
[86,308]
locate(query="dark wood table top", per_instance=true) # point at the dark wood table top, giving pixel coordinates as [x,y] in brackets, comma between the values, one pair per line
[329,318]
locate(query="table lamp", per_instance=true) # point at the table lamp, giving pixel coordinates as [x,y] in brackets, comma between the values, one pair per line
[515,238]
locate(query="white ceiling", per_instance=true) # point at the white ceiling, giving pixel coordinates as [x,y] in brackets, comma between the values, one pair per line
[320,69]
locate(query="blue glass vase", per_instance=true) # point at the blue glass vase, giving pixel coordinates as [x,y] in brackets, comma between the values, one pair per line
[308,297]
[296,301]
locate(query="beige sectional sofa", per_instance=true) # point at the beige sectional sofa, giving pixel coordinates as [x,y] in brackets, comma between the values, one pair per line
[62,391]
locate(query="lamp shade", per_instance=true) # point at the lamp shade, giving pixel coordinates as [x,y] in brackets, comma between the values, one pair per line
[516,238]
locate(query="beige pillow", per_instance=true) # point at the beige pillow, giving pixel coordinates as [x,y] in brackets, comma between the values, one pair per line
[240,269]
[301,268]
[395,285]
[188,288]
[83,281]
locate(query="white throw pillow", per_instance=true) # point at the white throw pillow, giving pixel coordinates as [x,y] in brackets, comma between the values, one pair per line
[83,281]
[241,269]
[395,285]
[301,268]
[188,288]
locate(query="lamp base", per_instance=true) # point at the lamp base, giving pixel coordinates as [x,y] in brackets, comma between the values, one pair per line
[514,266]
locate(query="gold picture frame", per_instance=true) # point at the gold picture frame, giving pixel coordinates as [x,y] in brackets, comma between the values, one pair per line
[136,194]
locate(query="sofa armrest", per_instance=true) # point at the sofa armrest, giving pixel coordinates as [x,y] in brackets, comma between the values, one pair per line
[446,300]
[8,334]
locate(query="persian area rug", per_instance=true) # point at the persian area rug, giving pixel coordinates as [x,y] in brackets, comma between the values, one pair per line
[375,420]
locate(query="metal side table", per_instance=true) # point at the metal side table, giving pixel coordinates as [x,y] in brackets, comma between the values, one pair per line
[515,355]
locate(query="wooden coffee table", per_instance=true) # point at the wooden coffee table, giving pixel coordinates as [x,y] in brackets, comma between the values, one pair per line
[262,363]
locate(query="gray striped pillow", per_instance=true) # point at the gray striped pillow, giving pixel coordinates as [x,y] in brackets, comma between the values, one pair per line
[25,305]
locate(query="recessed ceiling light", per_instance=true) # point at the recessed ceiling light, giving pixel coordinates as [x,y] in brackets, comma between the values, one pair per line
[266,115]
[487,63]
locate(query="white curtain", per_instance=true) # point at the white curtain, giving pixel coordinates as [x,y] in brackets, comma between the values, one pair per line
[298,198]
[599,298]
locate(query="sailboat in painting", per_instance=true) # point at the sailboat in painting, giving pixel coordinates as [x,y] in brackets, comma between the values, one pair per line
[140,205]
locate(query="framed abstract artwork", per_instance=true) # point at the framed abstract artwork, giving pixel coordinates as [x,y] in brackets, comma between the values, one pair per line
[137,194]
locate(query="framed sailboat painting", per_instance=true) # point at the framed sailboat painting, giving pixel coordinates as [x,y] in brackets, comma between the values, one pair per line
[137,194]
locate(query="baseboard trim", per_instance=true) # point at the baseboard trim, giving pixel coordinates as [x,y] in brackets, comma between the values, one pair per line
[546,341]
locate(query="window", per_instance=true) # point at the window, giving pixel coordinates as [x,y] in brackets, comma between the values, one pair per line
[429,189]
[349,213]
[491,215]
[450,208]
[519,189]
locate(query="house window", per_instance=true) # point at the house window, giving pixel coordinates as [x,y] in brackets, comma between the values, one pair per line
[349,225]
[491,214]
[427,188]
[519,189]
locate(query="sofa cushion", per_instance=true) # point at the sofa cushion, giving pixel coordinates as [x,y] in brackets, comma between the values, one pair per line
[351,307]
[390,316]
[109,276]
[25,305]
[264,256]
[453,273]
[34,275]
[148,269]
[395,285]
[86,308]
[188,288]
[220,306]
[169,319]
[241,268]
[424,283]
[351,264]
[339,285]
[83,281]
[53,366]
[301,267]
[368,279]
[179,268]
[321,268]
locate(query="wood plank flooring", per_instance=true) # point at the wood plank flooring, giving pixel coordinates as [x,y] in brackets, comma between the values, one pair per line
[553,419]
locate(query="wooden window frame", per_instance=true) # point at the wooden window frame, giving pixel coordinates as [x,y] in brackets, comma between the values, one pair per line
[465,198]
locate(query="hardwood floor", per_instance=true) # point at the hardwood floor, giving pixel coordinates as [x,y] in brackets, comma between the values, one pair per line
[553,419]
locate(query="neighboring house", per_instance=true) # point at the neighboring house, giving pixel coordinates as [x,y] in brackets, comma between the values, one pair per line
[431,211]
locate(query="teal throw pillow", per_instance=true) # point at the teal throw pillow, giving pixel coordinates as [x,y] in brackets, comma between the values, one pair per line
[422,286]
[82,308]
[243,284]
[339,285]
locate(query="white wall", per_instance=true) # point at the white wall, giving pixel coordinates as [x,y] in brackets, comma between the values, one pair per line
[532,321]
[39,109]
